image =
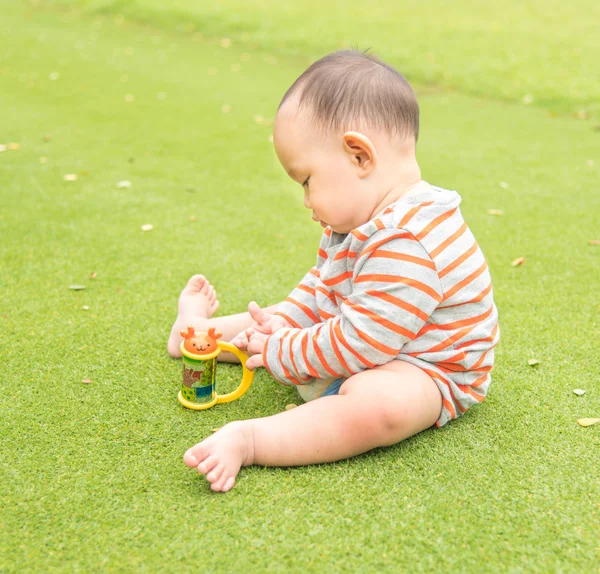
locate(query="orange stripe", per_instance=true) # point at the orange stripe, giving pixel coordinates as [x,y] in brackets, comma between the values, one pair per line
[379,224]
[327,294]
[411,213]
[456,402]
[307,310]
[343,254]
[303,287]
[450,340]
[458,260]
[327,231]
[325,315]
[478,382]
[397,279]
[288,319]
[448,241]
[466,281]
[292,339]
[336,349]
[469,391]
[309,367]
[481,359]
[447,404]
[322,253]
[376,344]
[377,244]
[457,368]
[478,298]
[404,257]
[439,219]
[321,356]
[487,339]
[399,303]
[457,324]
[359,235]
[338,279]
[286,373]
[264,356]
[338,331]
[315,272]
[379,319]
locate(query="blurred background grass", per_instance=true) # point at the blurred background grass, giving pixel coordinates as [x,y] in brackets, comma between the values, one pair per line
[541,52]
[178,100]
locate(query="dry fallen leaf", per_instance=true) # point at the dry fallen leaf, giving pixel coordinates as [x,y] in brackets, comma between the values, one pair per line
[86,381]
[76,287]
[290,407]
[215,430]
[85,307]
[70,177]
[579,392]
[193,218]
[123,184]
[594,241]
[533,362]
[518,261]
[147,227]
[495,212]
[588,422]
[93,275]
[13,146]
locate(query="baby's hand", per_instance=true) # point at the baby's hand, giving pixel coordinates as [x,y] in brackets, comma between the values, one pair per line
[255,348]
[266,323]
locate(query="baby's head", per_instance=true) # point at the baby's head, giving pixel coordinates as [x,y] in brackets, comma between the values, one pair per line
[346,130]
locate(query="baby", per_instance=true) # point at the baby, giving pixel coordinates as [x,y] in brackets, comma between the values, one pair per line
[393,330]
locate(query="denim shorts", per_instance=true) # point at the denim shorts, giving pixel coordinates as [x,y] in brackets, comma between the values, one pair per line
[320,388]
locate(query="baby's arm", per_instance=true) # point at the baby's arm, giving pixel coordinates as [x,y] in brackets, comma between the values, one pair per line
[395,289]
[300,307]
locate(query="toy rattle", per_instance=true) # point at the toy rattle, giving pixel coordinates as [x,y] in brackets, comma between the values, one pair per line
[200,350]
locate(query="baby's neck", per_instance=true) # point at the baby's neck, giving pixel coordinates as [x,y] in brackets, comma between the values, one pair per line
[403,181]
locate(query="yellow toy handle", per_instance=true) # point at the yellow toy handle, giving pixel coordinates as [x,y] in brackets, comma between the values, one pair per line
[247,377]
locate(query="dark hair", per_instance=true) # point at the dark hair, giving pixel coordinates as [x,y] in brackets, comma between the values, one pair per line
[349,89]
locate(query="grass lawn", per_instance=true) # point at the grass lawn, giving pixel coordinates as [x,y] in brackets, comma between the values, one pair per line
[92,474]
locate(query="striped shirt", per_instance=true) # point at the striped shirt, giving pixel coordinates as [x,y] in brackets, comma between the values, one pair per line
[410,284]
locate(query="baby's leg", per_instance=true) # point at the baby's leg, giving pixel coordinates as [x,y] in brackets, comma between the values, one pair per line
[197,304]
[377,407]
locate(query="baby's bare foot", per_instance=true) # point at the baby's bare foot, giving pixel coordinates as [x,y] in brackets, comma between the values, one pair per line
[220,456]
[197,301]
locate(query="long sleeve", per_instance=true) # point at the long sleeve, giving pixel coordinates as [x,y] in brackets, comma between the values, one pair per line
[300,306]
[395,289]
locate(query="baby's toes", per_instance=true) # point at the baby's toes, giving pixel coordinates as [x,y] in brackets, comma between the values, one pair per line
[226,480]
[208,464]
[214,306]
[215,473]
[206,288]
[195,455]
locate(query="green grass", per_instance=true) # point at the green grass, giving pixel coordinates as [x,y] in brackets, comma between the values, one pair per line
[92,475]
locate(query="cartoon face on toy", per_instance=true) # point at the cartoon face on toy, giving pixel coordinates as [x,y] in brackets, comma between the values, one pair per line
[200,343]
